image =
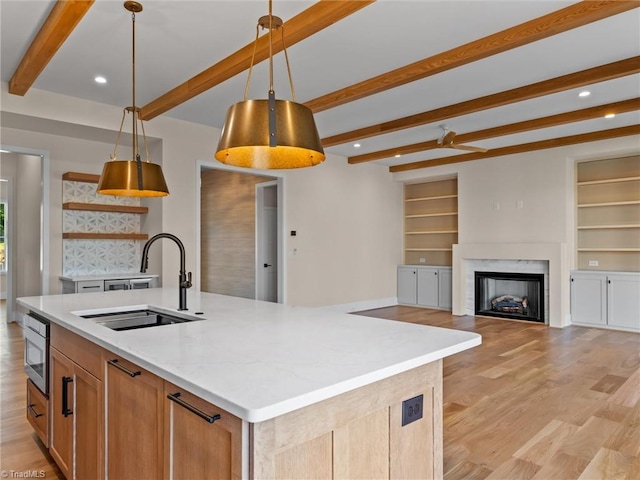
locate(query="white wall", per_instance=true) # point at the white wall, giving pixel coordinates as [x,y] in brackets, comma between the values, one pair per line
[348,217]
[349,233]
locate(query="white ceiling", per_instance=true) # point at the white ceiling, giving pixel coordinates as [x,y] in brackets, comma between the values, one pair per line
[178,39]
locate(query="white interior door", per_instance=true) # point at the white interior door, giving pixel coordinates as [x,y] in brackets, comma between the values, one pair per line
[267,244]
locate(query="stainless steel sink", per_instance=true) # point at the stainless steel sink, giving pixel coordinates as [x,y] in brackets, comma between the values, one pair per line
[137,319]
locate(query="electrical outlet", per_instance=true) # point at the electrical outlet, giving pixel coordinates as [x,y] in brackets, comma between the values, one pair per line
[412,409]
[593,263]
[422,260]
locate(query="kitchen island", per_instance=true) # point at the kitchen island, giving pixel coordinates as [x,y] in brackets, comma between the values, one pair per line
[300,392]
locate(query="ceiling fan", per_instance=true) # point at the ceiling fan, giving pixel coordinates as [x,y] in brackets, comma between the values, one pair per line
[447,140]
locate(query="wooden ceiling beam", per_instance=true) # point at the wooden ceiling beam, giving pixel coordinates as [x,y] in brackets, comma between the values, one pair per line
[315,18]
[522,148]
[590,76]
[623,106]
[60,22]
[573,16]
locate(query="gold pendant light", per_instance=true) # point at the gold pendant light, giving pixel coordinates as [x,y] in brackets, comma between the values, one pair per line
[270,134]
[132,178]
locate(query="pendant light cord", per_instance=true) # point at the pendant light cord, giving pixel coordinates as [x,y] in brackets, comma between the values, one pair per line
[270,47]
[253,56]
[133,75]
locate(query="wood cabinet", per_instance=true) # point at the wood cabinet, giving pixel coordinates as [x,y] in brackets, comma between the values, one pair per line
[154,429]
[358,434]
[608,205]
[200,439]
[606,299]
[61,448]
[430,222]
[428,286]
[38,412]
[134,426]
[76,418]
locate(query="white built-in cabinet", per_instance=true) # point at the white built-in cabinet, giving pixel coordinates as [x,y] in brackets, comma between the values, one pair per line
[606,299]
[427,286]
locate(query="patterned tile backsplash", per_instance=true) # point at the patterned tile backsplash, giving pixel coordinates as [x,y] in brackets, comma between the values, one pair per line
[96,257]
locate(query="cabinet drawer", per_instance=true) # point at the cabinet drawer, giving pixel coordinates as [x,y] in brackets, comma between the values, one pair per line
[37,409]
[89,286]
[83,352]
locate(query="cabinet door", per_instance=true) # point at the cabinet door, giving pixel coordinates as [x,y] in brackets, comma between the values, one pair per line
[623,301]
[134,421]
[407,285]
[589,299]
[428,287]
[88,429]
[201,440]
[444,288]
[61,397]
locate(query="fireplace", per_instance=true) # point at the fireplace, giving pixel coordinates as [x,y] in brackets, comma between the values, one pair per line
[519,296]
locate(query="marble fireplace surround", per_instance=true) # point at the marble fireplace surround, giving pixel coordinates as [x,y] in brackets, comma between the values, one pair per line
[467,256]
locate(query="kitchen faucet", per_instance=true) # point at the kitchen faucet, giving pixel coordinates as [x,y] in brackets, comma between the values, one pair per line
[184,279]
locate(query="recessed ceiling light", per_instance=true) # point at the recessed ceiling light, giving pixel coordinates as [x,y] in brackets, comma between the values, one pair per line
[610,115]
[356,145]
[397,155]
[100,79]
[584,93]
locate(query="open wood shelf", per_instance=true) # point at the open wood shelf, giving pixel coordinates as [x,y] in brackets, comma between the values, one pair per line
[608,204]
[609,180]
[606,227]
[101,207]
[430,221]
[429,249]
[424,199]
[105,236]
[444,214]
[81,177]
[608,214]
[604,249]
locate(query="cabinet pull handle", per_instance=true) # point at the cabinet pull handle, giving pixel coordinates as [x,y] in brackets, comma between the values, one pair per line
[115,363]
[93,286]
[208,418]
[66,411]
[33,411]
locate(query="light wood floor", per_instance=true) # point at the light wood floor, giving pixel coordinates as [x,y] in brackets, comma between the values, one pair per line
[20,448]
[534,402]
[531,402]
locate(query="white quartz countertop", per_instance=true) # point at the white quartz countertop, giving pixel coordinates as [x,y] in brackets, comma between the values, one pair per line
[106,276]
[257,360]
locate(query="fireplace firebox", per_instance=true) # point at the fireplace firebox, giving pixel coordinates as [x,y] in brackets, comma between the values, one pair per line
[519,296]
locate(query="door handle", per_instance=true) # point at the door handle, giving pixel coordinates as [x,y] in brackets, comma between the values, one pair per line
[33,411]
[266,265]
[66,411]
[115,363]
[208,418]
